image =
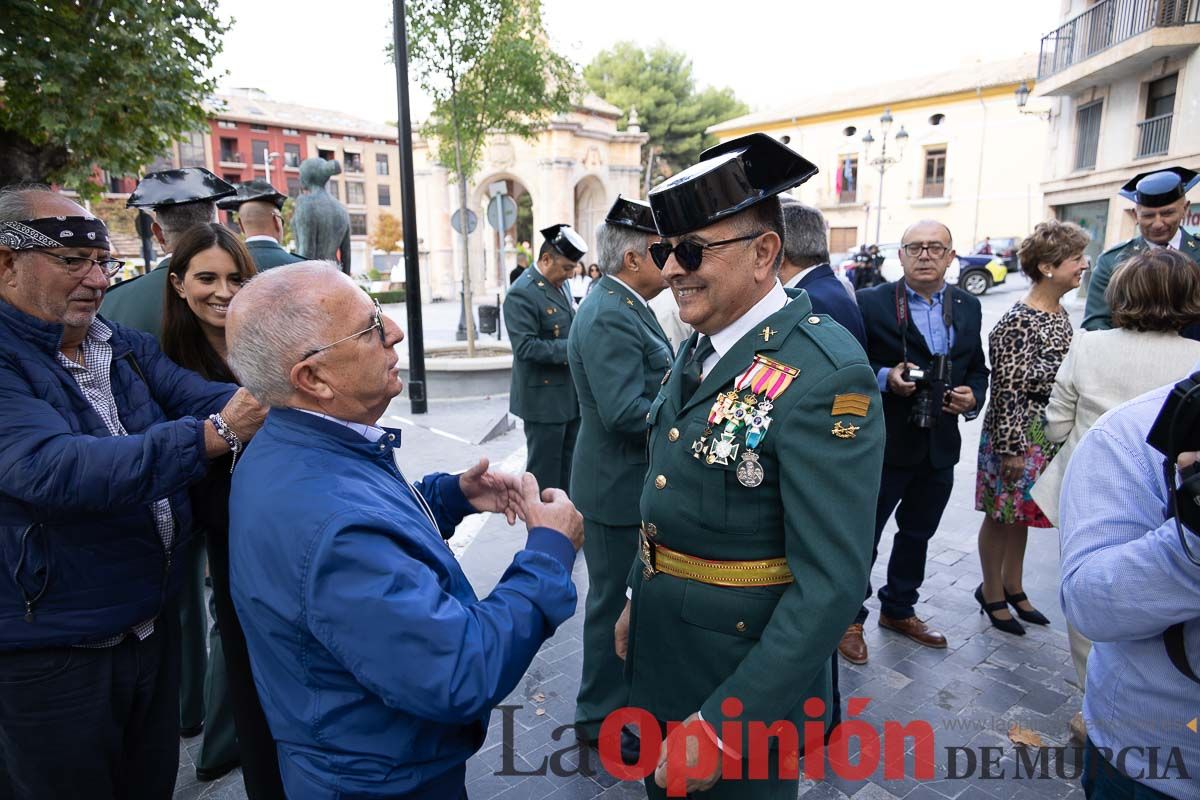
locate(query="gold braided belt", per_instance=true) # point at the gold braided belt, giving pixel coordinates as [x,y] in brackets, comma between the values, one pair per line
[656,558]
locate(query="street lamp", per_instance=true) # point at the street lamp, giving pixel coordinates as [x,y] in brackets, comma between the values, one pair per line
[267,159]
[884,160]
[1022,93]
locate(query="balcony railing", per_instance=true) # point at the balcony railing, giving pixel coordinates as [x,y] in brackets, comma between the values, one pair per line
[228,157]
[1154,135]
[1109,23]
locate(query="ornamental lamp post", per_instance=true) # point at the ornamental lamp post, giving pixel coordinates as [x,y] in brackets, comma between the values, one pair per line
[884,161]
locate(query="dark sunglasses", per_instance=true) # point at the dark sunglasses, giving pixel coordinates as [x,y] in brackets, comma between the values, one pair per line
[689,254]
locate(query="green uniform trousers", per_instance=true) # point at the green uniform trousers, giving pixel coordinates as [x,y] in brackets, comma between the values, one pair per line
[549,447]
[608,552]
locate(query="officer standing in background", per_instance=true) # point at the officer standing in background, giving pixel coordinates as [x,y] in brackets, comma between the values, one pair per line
[1161,206]
[765,451]
[179,199]
[619,355]
[259,210]
[538,312]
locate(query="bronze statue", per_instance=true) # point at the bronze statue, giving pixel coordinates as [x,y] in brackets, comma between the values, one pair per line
[321,224]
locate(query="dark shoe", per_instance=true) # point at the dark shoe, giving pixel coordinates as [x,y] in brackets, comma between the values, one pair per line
[631,746]
[1032,615]
[852,647]
[914,629]
[1007,625]
[191,731]
[204,775]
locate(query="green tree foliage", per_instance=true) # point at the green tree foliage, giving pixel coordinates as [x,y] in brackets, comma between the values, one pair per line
[658,82]
[101,83]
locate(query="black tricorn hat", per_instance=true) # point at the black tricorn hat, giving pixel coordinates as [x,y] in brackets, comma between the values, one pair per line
[634,214]
[1161,187]
[251,192]
[177,187]
[729,178]
[566,240]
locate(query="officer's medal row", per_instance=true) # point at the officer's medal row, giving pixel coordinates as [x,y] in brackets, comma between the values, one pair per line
[746,409]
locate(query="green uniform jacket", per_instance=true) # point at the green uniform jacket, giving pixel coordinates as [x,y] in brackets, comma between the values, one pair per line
[269,254]
[138,303]
[693,644]
[618,354]
[1096,316]
[539,318]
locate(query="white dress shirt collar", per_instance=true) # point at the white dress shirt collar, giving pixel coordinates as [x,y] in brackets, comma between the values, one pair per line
[631,290]
[724,339]
[368,432]
[262,237]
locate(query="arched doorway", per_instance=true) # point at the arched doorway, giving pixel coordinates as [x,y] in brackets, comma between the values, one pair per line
[500,248]
[591,204]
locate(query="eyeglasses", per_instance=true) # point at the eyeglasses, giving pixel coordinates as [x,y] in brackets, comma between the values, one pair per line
[913,250]
[376,324]
[78,266]
[689,254]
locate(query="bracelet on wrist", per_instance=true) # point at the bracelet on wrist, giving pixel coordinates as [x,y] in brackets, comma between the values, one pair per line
[227,434]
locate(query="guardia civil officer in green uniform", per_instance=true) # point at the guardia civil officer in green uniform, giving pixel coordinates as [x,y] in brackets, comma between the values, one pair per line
[259,208]
[619,355]
[1161,207]
[539,312]
[765,452]
[179,199]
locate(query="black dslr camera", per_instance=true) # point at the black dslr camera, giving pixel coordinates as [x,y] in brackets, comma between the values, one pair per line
[1175,431]
[932,385]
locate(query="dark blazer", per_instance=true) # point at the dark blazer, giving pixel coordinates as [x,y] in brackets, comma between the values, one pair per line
[270,254]
[829,296]
[138,303]
[908,445]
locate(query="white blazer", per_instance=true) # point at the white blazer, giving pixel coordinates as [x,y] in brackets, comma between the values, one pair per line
[1102,370]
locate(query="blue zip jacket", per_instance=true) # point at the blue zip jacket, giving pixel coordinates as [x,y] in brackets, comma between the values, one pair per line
[81,555]
[376,664]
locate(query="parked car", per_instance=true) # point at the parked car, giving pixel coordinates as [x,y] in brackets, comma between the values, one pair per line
[974,274]
[1005,247]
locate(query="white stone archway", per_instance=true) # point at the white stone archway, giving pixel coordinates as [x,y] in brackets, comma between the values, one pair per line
[591,205]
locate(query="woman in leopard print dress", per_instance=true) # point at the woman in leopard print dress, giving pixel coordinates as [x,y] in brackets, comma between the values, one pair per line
[1026,347]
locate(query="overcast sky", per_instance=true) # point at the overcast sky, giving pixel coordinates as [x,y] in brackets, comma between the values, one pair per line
[768,51]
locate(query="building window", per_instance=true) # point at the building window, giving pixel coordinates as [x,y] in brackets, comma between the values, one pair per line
[1160,96]
[328,155]
[224,123]
[385,194]
[290,132]
[847,180]
[293,187]
[229,151]
[358,224]
[254,126]
[349,138]
[356,193]
[1154,132]
[165,161]
[291,155]
[259,148]
[935,173]
[381,164]
[332,188]
[354,162]
[231,178]
[1087,133]
[191,150]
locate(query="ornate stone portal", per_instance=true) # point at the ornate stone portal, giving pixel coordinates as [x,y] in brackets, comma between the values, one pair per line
[321,224]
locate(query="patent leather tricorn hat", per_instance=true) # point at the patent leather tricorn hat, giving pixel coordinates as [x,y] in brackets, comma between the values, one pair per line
[177,187]
[253,192]
[634,214]
[729,178]
[1157,189]
[566,240]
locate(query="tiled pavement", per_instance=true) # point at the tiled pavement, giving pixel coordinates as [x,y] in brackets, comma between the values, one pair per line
[971,693]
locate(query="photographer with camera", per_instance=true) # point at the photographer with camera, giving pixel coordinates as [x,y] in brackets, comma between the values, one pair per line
[1131,584]
[923,340]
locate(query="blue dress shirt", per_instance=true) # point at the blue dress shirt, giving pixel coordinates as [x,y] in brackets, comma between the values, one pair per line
[1126,579]
[927,316]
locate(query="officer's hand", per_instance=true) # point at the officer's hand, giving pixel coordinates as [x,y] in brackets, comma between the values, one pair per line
[244,414]
[959,400]
[551,509]
[895,380]
[689,755]
[492,491]
[621,631]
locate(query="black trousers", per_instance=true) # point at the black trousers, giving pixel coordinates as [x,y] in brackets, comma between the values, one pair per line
[918,495]
[101,724]
[549,447]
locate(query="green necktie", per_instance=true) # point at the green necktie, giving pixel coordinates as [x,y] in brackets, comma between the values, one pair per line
[693,369]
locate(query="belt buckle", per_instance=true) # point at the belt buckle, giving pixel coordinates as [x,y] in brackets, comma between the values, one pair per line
[647,556]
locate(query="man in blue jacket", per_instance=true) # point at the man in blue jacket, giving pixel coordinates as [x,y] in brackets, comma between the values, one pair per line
[377,665]
[806,266]
[102,436]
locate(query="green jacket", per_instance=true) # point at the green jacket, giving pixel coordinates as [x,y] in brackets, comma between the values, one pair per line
[1096,316]
[693,644]
[539,319]
[138,303]
[618,355]
[270,254]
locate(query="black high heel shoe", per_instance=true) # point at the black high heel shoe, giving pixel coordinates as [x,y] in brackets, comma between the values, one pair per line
[1033,615]
[1006,625]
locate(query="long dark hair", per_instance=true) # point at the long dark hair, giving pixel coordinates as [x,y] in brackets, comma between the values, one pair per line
[183,340]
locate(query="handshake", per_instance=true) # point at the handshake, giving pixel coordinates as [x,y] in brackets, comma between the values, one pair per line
[518,497]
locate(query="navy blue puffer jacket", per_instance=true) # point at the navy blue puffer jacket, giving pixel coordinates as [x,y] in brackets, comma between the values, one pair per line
[81,556]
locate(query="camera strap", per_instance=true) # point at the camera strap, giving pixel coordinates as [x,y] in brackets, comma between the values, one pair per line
[902,316]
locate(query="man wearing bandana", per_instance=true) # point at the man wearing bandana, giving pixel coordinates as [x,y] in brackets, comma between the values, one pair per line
[103,435]
[757,508]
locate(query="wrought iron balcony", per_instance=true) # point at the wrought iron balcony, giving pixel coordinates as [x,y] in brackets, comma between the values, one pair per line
[1106,24]
[1154,135]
